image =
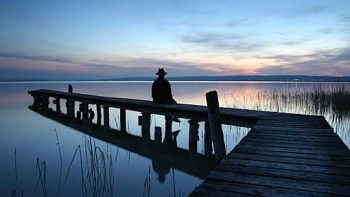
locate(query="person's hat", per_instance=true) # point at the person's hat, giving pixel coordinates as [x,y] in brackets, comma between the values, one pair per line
[161,72]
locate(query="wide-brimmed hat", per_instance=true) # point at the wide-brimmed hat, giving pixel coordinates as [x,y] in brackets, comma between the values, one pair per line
[161,72]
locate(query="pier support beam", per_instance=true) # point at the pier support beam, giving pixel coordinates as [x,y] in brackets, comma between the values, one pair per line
[106,116]
[215,124]
[146,124]
[122,120]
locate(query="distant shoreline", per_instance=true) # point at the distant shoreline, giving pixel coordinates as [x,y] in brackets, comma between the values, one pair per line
[252,78]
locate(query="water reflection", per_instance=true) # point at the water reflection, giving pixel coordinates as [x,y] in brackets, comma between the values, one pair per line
[164,155]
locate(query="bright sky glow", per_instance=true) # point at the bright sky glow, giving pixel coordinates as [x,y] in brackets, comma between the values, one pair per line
[121,38]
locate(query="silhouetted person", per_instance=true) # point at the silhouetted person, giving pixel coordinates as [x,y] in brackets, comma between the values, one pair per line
[161,90]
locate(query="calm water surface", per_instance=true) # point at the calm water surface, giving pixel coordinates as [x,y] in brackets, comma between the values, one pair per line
[41,156]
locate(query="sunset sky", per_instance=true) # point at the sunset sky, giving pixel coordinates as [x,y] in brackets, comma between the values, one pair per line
[113,38]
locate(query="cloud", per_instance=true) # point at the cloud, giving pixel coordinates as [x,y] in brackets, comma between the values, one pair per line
[221,41]
[295,42]
[27,66]
[331,62]
[34,57]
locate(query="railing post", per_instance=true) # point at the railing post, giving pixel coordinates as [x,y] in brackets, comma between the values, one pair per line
[106,116]
[146,124]
[44,102]
[157,135]
[85,110]
[98,110]
[58,104]
[168,138]
[36,100]
[193,136]
[215,124]
[70,104]
[70,108]
[207,140]
[70,89]
[122,120]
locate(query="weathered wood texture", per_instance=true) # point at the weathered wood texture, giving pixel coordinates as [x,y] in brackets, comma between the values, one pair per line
[214,120]
[283,155]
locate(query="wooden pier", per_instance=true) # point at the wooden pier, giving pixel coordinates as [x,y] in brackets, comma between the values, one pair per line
[282,155]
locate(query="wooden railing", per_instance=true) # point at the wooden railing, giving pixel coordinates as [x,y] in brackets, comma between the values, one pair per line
[194,113]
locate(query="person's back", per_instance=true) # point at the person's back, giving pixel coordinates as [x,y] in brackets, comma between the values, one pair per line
[161,91]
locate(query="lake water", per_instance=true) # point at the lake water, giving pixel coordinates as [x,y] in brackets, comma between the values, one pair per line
[41,156]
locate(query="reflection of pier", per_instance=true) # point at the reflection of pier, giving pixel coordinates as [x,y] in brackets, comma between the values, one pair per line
[164,155]
[282,155]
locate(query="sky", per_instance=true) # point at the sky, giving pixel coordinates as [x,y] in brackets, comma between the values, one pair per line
[102,39]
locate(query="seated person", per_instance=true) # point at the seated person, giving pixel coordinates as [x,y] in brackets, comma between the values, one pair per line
[161,90]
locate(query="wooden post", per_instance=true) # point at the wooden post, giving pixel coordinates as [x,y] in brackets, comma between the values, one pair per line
[98,109]
[168,139]
[193,136]
[122,120]
[207,140]
[215,124]
[70,89]
[36,100]
[44,102]
[157,135]
[72,108]
[85,110]
[146,124]
[58,105]
[70,104]
[106,116]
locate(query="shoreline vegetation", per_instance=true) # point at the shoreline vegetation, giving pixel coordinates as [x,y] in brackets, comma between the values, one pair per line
[257,78]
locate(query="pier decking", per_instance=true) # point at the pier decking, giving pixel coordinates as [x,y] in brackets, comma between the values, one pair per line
[282,155]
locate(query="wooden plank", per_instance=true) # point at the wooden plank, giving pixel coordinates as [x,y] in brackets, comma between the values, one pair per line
[212,187]
[330,138]
[290,155]
[256,157]
[283,173]
[284,150]
[305,148]
[321,139]
[283,127]
[292,129]
[288,166]
[293,143]
[304,134]
[210,191]
[311,186]
[268,147]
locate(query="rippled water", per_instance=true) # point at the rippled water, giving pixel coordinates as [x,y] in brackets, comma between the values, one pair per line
[41,156]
